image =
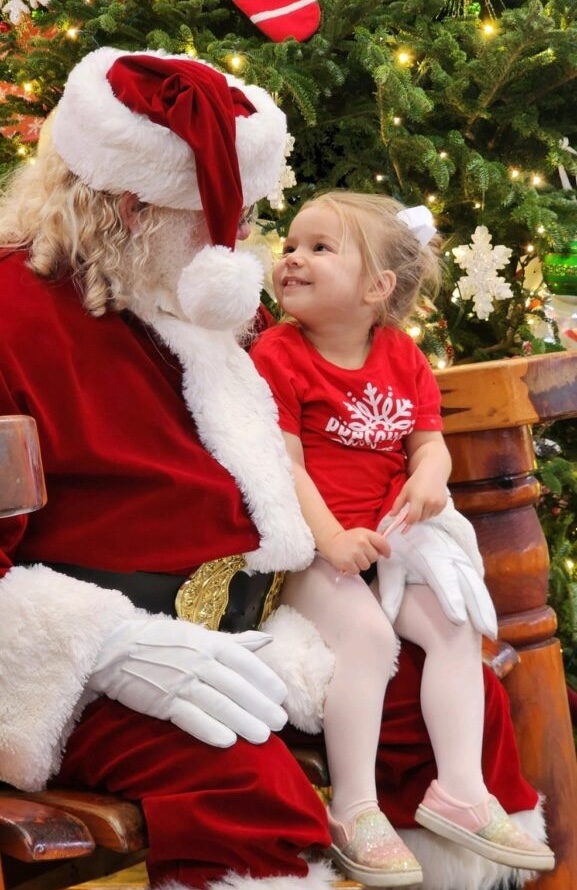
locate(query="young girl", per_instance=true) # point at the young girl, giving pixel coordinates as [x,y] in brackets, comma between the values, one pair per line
[360,411]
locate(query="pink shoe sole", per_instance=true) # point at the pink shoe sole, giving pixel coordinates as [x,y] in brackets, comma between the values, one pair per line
[485,829]
[372,853]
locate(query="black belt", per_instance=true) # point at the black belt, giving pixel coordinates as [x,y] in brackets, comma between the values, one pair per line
[244,600]
[153,591]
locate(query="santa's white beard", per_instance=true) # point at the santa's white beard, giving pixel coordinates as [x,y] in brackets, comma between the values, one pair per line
[155,260]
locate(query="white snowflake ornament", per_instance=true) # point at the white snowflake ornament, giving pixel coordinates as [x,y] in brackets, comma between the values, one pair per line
[15,10]
[482,283]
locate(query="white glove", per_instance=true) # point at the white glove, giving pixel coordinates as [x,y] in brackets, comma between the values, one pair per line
[426,554]
[208,683]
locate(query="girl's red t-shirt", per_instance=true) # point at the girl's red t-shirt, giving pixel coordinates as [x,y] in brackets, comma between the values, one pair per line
[352,423]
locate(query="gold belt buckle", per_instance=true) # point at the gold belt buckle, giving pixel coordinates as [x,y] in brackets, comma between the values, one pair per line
[205,597]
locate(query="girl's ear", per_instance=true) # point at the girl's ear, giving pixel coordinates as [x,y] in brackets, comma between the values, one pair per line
[129,207]
[382,287]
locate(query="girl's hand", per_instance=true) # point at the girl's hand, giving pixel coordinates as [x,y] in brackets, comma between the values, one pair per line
[353,550]
[429,466]
[424,498]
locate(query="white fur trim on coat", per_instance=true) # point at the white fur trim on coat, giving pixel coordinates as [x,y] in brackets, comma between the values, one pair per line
[448,866]
[320,877]
[99,138]
[52,629]
[237,423]
[300,657]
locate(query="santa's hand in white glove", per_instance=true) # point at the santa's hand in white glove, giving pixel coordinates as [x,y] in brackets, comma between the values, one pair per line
[208,683]
[425,554]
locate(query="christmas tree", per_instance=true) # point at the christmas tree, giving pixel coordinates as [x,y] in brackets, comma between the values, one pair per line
[466,107]
[463,107]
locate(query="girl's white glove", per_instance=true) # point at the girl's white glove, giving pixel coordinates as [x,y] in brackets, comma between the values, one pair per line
[208,683]
[427,554]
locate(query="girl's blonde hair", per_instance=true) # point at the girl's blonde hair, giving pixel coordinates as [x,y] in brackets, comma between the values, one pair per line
[386,242]
[71,230]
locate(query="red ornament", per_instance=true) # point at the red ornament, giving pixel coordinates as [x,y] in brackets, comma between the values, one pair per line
[4,28]
[280,19]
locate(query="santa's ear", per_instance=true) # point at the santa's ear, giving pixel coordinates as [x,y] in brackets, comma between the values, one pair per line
[130,206]
[381,287]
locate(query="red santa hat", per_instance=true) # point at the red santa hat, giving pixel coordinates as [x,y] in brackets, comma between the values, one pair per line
[174,131]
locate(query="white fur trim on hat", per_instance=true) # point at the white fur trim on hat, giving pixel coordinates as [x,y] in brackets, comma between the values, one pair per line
[112,149]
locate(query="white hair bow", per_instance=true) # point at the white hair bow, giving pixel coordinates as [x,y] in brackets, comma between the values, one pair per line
[420,221]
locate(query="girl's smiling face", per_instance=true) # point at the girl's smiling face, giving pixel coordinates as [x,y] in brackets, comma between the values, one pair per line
[321,279]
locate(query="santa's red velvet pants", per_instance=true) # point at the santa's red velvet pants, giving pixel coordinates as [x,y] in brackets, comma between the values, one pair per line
[250,808]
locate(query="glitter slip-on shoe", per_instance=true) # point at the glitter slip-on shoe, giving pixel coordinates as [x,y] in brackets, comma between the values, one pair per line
[369,850]
[485,828]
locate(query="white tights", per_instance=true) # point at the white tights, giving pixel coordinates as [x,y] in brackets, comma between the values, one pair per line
[352,623]
[452,691]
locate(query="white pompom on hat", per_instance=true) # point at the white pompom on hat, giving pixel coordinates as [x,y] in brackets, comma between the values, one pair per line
[175,132]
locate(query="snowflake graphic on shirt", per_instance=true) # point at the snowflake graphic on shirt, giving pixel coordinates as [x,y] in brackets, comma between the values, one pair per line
[376,421]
